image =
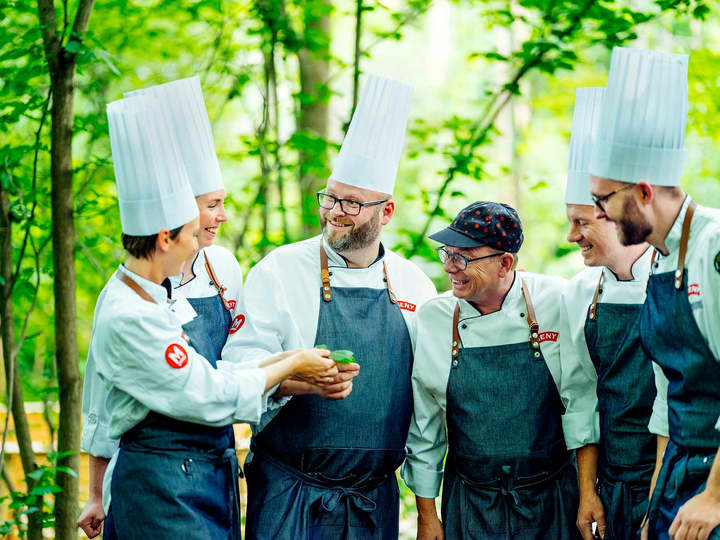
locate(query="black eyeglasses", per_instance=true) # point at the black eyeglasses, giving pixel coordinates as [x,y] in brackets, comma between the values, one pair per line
[460,261]
[600,201]
[349,206]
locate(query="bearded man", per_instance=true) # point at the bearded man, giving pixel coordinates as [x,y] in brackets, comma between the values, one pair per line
[325,468]
[635,173]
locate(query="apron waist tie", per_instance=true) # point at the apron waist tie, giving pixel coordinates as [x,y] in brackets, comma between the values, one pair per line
[335,493]
[508,489]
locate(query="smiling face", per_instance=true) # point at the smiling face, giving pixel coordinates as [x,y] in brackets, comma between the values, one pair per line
[345,232]
[212,214]
[622,209]
[479,277]
[595,237]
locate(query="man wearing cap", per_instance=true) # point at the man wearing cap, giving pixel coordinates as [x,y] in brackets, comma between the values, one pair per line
[322,468]
[485,389]
[607,379]
[635,170]
[170,402]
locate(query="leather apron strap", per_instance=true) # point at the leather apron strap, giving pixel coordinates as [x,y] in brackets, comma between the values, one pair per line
[325,278]
[130,282]
[683,244]
[220,289]
[531,319]
[598,291]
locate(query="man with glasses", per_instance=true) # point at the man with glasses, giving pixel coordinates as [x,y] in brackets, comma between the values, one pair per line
[607,378]
[325,468]
[636,166]
[485,389]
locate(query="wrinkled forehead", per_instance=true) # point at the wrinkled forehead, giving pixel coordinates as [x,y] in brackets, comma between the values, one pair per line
[346,191]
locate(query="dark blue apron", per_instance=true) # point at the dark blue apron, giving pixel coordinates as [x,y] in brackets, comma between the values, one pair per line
[325,469]
[626,392]
[508,473]
[175,479]
[672,339]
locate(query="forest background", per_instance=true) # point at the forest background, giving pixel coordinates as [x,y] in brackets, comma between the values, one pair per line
[494,84]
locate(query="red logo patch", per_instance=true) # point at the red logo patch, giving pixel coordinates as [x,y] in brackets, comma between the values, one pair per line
[406,305]
[232,304]
[693,289]
[548,336]
[176,356]
[236,324]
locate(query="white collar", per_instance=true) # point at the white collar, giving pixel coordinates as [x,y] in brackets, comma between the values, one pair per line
[160,293]
[640,268]
[672,240]
[511,302]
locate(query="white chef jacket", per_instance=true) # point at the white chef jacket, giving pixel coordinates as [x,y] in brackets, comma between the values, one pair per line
[95,437]
[427,439]
[702,262]
[581,421]
[282,296]
[146,364]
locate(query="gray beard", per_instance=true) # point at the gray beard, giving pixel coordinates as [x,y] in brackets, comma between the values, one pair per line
[359,238]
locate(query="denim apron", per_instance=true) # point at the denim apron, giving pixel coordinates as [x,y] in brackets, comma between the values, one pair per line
[176,479]
[626,392]
[508,474]
[672,339]
[324,468]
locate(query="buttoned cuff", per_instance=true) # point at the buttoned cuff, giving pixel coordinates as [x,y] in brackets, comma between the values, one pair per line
[658,424]
[581,428]
[423,482]
[95,439]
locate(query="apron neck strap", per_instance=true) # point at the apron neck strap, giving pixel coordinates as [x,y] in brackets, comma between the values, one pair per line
[325,278]
[683,244]
[531,319]
[220,289]
[130,282]
[598,292]
[456,335]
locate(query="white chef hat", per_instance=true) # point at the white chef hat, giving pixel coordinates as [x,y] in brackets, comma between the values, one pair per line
[641,135]
[188,116]
[588,104]
[153,188]
[370,153]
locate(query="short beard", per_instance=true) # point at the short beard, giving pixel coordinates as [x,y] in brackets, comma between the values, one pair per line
[633,228]
[358,238]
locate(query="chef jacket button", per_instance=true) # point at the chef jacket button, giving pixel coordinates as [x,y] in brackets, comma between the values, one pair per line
[455,363]
[92,418]
[522,314]
[463,326]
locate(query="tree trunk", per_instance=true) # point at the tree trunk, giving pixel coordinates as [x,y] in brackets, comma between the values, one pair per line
[61,66]
[66,348]
[314,71]
[20,421]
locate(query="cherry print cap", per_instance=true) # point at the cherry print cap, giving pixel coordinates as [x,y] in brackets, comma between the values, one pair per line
[484,223]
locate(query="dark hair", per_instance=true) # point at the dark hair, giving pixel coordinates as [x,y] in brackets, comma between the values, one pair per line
[142,247]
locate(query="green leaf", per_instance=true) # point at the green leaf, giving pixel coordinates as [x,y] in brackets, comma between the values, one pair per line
[342,356]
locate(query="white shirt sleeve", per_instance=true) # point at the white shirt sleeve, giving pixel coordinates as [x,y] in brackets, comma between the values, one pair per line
[426,443]
[149,361]
[578,382]
[659,424]
[95,439]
